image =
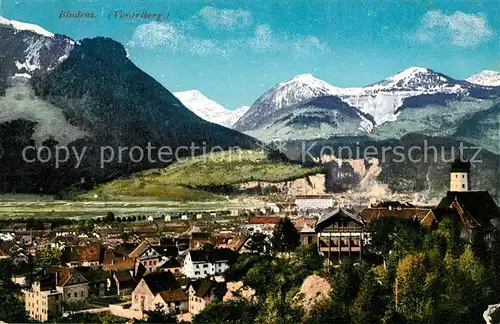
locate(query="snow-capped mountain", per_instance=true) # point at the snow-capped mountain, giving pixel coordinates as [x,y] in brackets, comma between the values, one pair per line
[208,109]
[301,88]
[378,104]
[29,49]
[384,99]
[486,78]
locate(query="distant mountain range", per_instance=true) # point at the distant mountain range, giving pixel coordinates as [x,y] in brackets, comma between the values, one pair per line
[208,109]
[416,100]
[55,91]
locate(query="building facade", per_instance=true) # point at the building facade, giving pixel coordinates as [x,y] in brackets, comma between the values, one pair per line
[201,263]
[340,235]
[314,202]
[42,303]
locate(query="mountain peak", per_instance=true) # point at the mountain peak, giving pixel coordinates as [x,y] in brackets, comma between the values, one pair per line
[304,76]
[102,48]
[190,94]
[485,78]
[18,25]
[415,78]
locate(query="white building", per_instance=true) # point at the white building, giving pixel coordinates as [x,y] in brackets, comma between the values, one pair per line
[314,202]
[202,263]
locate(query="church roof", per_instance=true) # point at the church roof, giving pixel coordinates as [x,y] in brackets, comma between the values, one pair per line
[460,166]
[478,204]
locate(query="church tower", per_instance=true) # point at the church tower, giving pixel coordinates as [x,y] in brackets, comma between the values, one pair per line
[459,176]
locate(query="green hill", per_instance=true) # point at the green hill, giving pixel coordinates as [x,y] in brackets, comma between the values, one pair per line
[189,180]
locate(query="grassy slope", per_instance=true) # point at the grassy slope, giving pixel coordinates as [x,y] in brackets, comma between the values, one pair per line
[184,180]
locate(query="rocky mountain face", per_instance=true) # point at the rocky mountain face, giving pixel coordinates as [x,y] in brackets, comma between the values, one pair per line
[87,96]
[27,49]
[208,109]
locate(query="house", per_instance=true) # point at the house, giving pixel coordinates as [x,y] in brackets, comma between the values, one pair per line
[425,216]
[73,286]
[146,255]
[122,283]
[340,235]
[7,236]
[307,235]
[273,208]
[478,212]
[42,301]
[170,264]
[159,288]
[97,280]
[204,263]
[202,292]
[172,301]
[261,224]
[301,222]
[87,255]
[313,202]
[238,243]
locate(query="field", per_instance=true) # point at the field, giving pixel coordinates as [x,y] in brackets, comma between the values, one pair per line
[80,209]
[183,186]
[188,180]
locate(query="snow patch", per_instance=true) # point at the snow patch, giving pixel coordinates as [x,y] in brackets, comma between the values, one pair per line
[18,25]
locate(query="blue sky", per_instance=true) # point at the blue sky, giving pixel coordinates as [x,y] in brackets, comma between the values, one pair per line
[233,51]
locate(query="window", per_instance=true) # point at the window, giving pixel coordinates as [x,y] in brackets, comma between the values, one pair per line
[463,185]
[69,295]
[463,176]
[76,294]
[81,293]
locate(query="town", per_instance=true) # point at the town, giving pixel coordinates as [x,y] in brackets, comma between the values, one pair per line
[178,266]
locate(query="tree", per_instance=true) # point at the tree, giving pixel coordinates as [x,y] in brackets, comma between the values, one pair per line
[285,236]
[370,304]
[109,218]
[45,258]
[309,257]
[409,292]
[475,284]
[393,238]
[160,315]
[12,309]
[237,311]
[86,226]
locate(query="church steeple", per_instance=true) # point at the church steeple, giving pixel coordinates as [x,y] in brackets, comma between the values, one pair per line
[459,175]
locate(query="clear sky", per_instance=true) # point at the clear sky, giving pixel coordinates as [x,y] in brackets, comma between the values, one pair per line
[233,51]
